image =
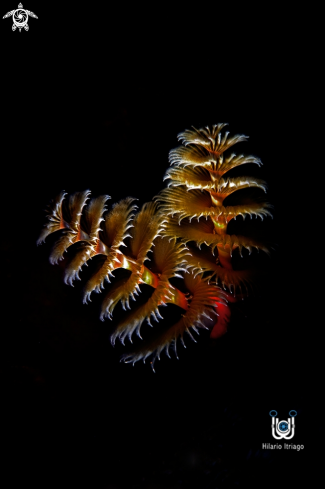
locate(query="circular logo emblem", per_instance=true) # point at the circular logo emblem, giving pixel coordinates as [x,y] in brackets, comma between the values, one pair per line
[20,18]
[283,426]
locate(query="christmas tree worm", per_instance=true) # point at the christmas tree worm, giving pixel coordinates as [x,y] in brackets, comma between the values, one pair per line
[181,234]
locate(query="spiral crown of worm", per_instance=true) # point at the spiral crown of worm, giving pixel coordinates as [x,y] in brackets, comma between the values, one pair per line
[163,242]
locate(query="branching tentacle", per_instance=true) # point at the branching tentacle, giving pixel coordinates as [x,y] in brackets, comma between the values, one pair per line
[205,297]
[198,203]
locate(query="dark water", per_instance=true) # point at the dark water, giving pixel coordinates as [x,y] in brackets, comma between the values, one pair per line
[73,415]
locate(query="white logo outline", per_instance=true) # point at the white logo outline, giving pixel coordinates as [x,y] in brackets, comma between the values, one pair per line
[283,429]
[20,18]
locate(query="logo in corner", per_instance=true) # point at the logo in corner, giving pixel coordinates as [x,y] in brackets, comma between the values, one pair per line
[283,429]
[20,18]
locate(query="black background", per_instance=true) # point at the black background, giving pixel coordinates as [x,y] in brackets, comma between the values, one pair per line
[93,99]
